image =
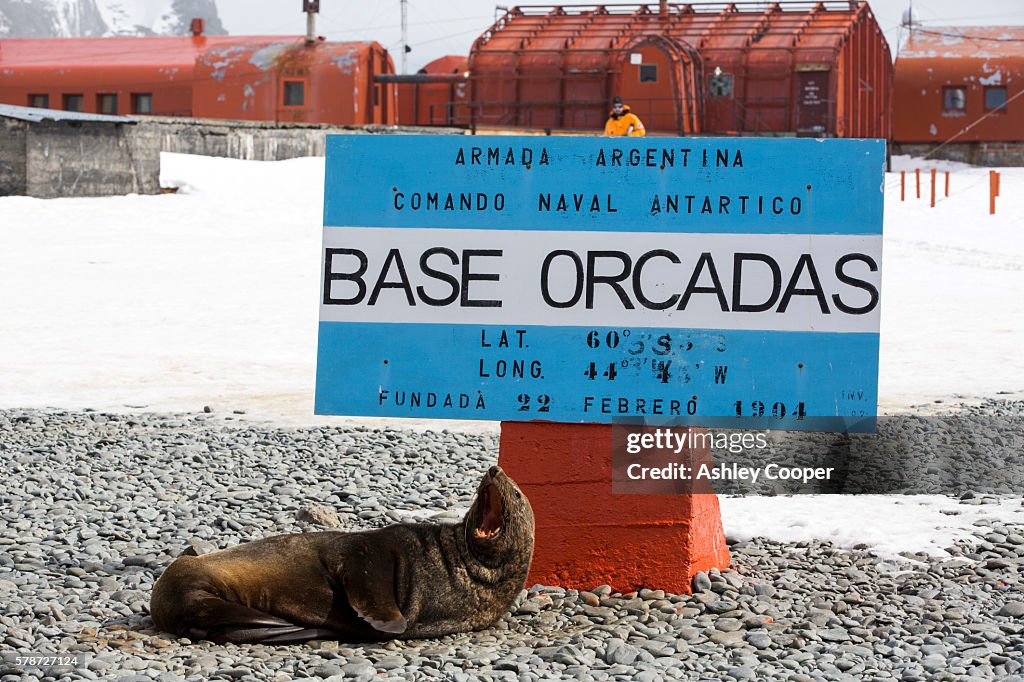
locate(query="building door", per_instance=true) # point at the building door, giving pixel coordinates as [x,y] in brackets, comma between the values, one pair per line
[813,101]
[647,88]
[658,79]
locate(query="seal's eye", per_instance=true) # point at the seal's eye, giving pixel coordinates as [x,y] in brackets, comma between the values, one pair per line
[519,495]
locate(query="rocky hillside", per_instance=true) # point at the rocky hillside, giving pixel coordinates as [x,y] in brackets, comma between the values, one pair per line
[93,18]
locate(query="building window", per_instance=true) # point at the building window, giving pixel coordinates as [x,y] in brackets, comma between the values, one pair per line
[106,103]
[954,99]
[995,99]
[648,73]
[74,103]
[39,101]
[294,93]
[142,103]
[720,85]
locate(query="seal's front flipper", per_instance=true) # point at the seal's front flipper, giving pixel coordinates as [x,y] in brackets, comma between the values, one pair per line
[391,622]
[369,581]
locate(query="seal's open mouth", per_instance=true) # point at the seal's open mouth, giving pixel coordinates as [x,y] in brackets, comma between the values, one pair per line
[489,513]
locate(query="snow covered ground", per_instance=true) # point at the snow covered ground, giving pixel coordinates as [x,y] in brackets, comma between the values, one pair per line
[890,524]
[172,302]
[953,279]
[208,297]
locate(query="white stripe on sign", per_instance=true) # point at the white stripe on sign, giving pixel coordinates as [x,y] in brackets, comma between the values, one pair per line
[779,282]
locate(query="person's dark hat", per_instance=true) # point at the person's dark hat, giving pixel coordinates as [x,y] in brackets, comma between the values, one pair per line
[616,100]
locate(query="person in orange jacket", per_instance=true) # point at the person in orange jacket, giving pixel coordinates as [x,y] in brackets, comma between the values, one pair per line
[623,122]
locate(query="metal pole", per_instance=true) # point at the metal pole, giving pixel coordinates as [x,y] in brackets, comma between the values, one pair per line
[405,34]
[993,183]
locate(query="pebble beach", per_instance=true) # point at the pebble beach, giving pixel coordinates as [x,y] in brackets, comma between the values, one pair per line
[93,506]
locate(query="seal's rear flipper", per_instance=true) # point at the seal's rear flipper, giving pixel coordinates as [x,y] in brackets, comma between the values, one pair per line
[222,621]
[273,635]
[369,582]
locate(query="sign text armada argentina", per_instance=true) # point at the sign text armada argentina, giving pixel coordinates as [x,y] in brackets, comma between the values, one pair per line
[591,279]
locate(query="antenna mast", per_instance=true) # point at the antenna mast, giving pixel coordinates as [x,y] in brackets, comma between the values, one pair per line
[909,17]
[405,34]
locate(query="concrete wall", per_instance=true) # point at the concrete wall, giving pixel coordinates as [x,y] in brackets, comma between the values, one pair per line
[88,159]
[974,153]
[12,157]
[52,159]
[255,140]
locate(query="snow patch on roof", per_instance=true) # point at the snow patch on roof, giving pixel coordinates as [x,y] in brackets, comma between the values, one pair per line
[221,58]
[994,79]
[344,62]
[965,42]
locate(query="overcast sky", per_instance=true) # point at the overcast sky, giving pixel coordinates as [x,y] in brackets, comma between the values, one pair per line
[440,27]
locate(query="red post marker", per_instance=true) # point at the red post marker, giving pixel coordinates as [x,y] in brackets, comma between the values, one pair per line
[917,178]
[585,535]
[993,191]
[903,185]
[933,187]
[947,183]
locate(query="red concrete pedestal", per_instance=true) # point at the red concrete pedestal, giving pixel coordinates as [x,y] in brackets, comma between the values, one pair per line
[586,536]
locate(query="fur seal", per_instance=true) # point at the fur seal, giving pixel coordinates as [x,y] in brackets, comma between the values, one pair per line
[404,581]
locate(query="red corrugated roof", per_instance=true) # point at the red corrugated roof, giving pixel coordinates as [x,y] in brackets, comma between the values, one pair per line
[714,25]
[451,63]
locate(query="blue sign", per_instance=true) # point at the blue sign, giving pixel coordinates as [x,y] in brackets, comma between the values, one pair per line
[596,279]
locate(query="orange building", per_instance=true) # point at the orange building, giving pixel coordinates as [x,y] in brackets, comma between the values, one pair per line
[434,95]
[264,78]
[791,67]
[960,84]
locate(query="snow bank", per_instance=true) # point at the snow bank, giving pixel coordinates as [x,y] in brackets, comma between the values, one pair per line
[890,524]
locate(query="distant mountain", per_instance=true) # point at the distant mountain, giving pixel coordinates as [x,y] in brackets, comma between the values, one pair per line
[93,18]
[159,17]
[45,18]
